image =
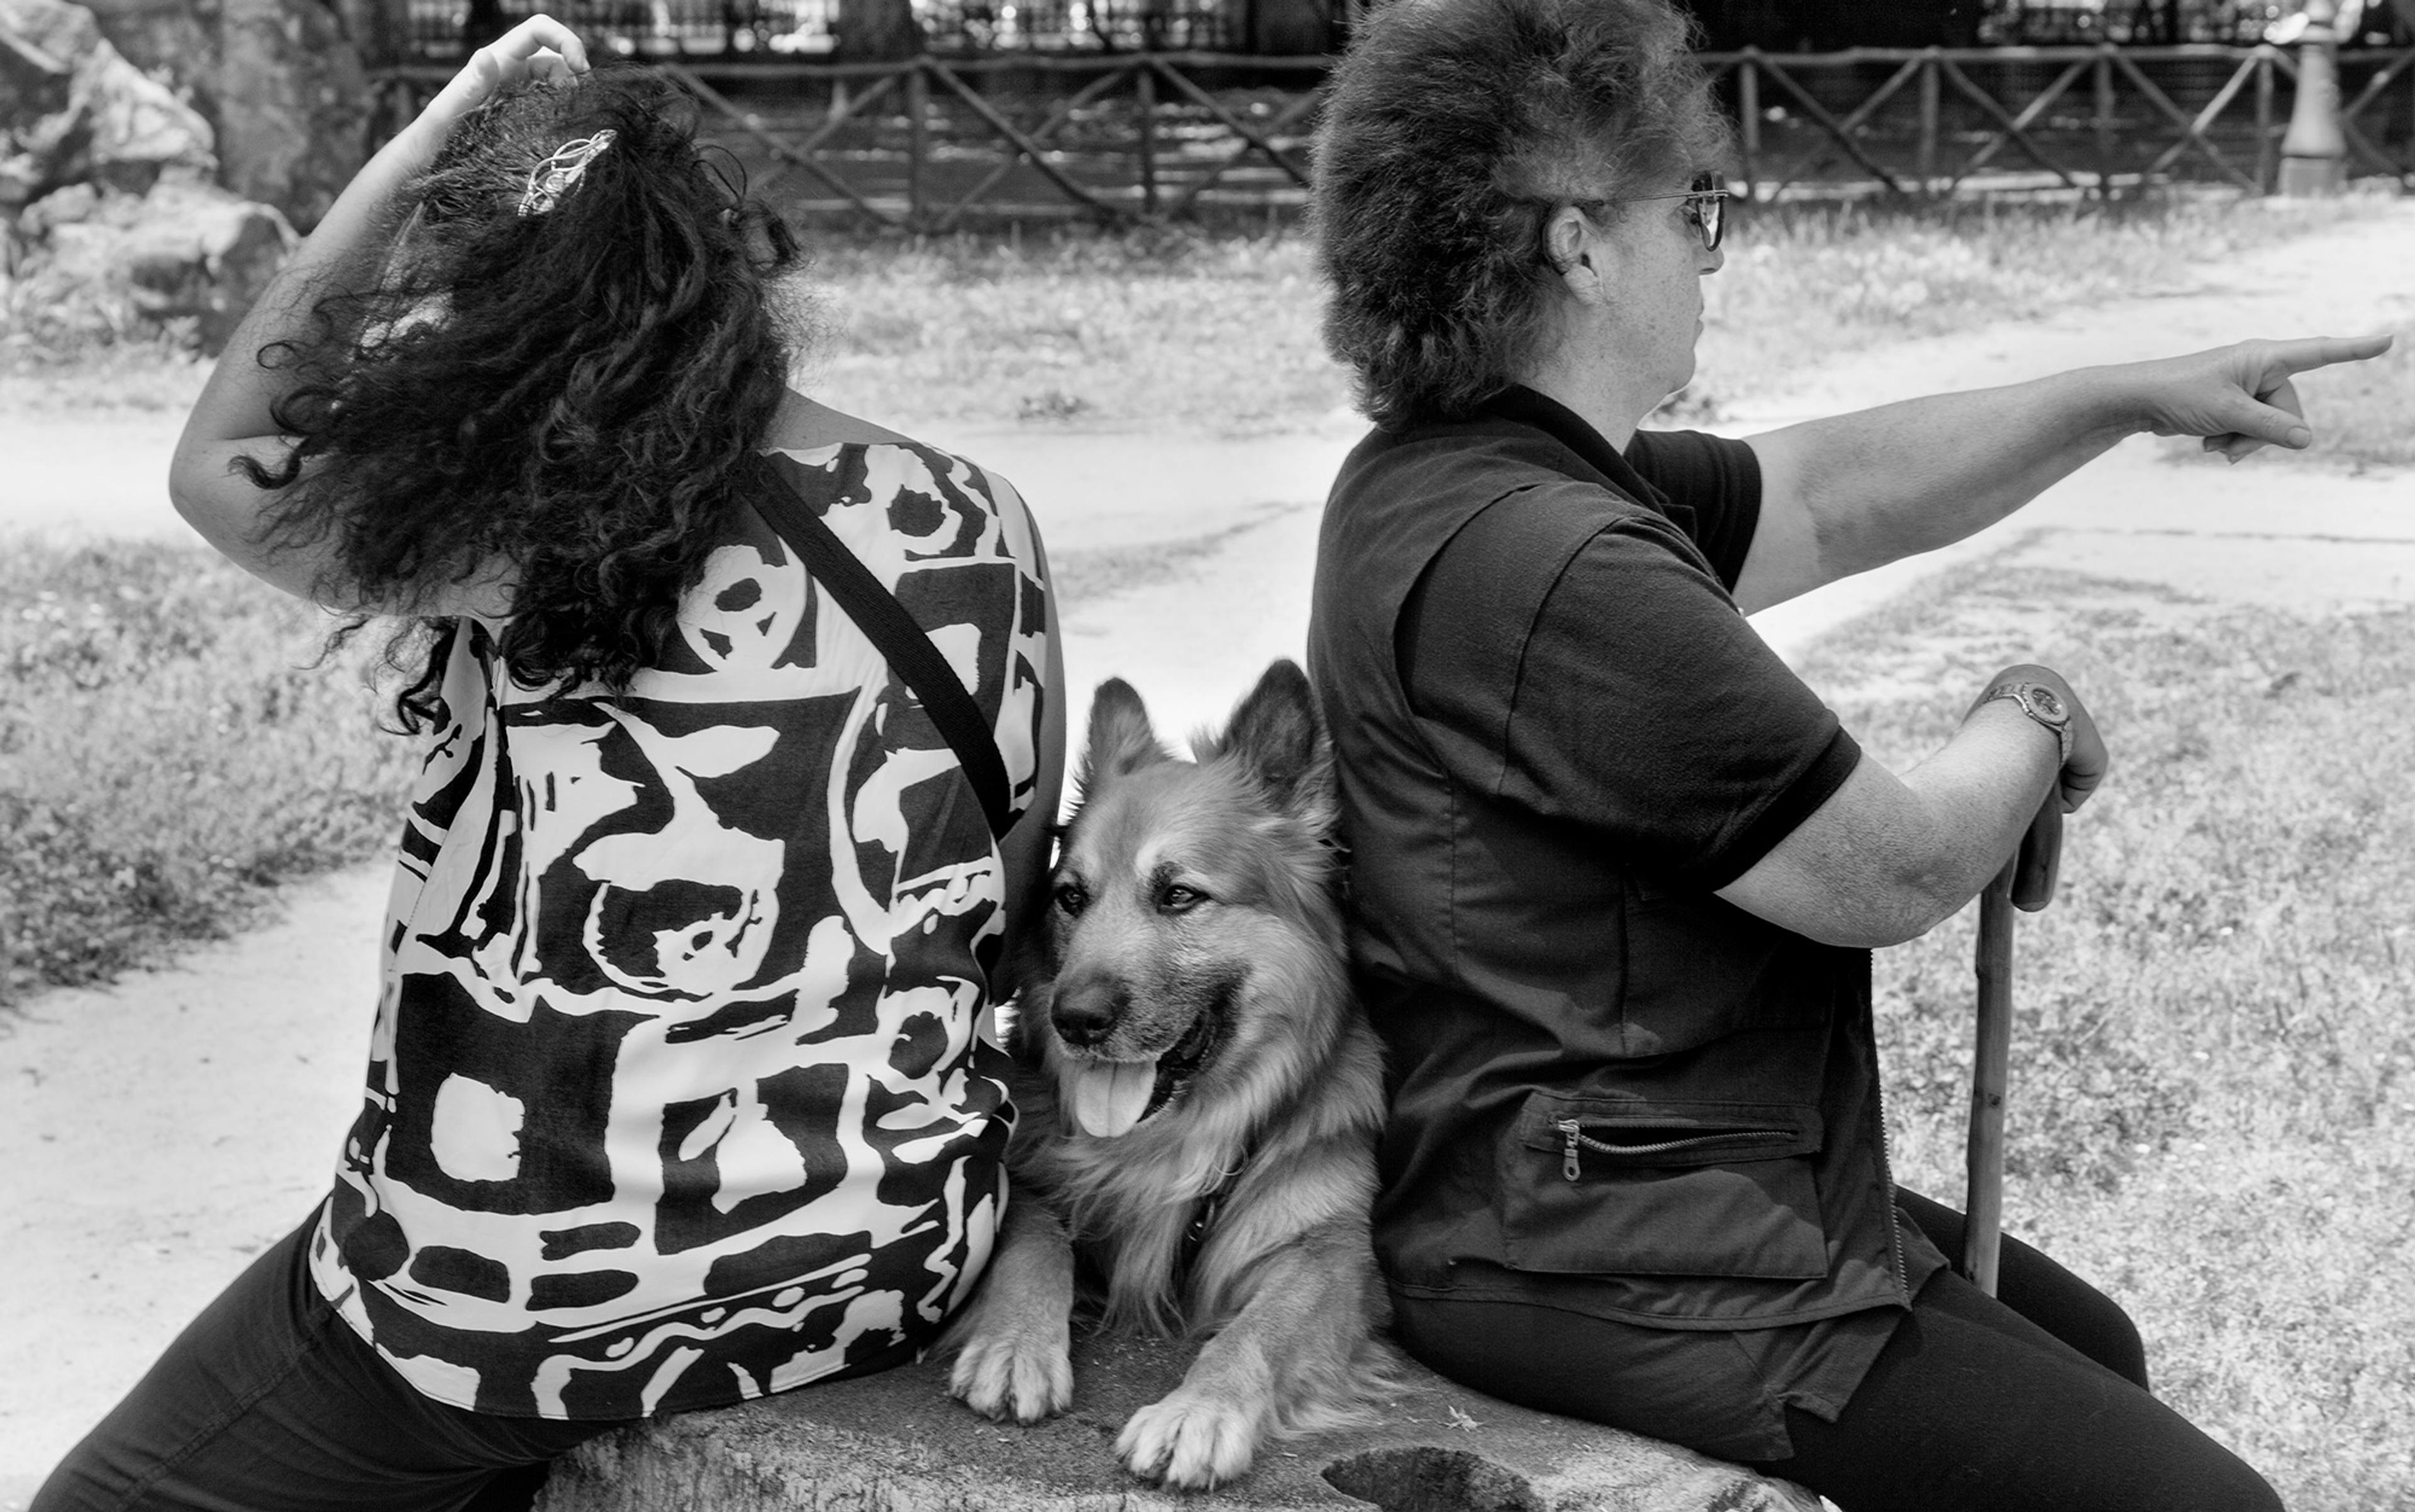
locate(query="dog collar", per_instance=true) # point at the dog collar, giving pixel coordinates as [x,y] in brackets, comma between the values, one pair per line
[1205,1212]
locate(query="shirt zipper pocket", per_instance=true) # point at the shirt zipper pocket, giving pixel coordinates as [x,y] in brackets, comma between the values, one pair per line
[1575,1141]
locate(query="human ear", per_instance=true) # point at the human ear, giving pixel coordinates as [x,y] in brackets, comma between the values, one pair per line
[1567,240]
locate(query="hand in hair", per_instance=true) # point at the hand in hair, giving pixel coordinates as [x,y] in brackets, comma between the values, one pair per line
[539,48]
[235,417]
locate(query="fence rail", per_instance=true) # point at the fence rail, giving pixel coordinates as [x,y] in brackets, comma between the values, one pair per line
[930,143]
[1932,121]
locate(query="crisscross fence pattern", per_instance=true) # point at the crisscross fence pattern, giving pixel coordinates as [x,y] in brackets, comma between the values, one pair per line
[930,145]
[1934,121]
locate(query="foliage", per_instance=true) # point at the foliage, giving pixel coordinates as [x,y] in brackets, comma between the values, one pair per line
[168,754]
[2213,1094]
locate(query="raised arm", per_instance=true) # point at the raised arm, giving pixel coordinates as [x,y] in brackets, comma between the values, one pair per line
[1842,495]
[235,417]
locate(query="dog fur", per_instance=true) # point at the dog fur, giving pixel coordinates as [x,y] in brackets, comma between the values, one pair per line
[1190,1056]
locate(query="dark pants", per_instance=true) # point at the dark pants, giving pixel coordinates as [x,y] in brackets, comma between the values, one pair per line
[269,1401]
[2032,1400]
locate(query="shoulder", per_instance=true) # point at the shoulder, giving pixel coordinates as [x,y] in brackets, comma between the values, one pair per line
[929,501]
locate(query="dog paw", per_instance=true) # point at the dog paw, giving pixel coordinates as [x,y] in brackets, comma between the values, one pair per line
[1010,1375]
[1189,1441]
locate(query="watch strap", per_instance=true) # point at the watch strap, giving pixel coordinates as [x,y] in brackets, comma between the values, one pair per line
[2043,705]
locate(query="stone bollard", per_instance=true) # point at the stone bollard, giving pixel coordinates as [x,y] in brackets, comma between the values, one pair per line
[896,1442]
[2313,151]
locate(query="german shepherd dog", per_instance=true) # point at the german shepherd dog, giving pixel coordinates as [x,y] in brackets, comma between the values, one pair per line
[1199,1096]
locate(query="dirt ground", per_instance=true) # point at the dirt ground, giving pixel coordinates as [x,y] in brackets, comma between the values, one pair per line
[155,1133]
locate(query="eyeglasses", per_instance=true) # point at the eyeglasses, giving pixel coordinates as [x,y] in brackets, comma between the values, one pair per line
[1706,207]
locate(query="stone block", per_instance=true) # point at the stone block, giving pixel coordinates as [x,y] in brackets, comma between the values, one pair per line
[187,249]
[73,111]
[897,1443]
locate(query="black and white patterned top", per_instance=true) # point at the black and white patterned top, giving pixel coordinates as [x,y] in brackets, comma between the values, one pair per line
[681,1092]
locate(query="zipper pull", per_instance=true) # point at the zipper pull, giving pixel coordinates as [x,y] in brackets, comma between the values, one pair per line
[1569,1151]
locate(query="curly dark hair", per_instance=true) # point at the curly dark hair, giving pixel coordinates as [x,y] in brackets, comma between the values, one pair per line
[1452,128]
[568,394]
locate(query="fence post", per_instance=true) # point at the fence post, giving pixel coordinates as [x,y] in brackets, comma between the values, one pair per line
[2264,118]
[2105,121]
[1930,83]
[1748,108]
[918,139]
[2314,153]
[1145,90]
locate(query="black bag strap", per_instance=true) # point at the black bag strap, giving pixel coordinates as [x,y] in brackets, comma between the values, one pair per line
[885,623]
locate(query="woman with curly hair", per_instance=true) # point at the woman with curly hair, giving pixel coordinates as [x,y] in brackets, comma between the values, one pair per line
[1617,872]
[683,1088]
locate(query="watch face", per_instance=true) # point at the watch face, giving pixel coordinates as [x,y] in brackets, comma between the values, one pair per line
[2047,704]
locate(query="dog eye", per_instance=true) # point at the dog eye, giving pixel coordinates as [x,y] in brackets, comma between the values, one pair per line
[1177,899]
[1071,898]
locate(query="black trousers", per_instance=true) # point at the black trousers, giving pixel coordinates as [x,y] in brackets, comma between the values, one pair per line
[268,1402]
[2032,1400]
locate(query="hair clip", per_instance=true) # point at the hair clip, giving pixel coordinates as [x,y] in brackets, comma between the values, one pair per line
[559,174]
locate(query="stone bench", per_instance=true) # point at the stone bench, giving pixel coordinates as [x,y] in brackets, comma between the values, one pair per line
[896,1442]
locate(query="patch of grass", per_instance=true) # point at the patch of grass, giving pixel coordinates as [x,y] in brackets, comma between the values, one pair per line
[1179,329]
[2211,1105]
[168,755]
[1165,330]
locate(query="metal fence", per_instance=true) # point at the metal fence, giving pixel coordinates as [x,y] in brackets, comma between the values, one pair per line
[2096,119]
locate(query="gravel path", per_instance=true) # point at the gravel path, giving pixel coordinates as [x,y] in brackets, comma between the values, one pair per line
[156,1134]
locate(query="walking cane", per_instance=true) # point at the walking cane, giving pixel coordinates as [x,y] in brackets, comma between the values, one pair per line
[2026,883]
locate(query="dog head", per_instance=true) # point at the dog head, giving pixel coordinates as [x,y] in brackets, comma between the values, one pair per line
[1192,938]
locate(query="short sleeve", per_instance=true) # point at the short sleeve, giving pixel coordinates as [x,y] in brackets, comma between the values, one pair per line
[1610,683]
[1719,481]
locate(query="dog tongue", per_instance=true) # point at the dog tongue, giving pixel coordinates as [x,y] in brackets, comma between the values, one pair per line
[1110,1096]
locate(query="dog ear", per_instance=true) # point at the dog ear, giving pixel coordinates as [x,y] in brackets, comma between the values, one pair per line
[1120,737]
[1278,735]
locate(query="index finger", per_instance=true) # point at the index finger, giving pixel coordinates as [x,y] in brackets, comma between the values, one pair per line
[2323,351]
[540,32]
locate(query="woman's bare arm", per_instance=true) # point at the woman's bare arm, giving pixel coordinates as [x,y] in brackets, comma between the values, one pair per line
[234,416]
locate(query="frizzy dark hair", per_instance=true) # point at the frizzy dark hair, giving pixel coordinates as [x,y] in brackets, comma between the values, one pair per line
[565,397]
[1449,130]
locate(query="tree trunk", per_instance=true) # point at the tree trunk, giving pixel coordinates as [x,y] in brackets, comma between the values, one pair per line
[293,105]
[1290,27]
[876,31]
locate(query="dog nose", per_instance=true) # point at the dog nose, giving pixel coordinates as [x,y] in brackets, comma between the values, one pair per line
[1087,1010]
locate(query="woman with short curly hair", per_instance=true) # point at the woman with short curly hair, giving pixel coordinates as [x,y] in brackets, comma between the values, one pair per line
[1616,870]
[681,1089]
[1457,141]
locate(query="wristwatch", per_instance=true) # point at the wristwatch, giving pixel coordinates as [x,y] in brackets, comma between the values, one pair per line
[2042,704]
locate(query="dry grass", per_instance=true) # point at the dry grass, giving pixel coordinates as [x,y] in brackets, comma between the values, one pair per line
[168,755]
[1178,329]
[2213,1103]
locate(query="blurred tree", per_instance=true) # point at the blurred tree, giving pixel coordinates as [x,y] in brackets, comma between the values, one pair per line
[876,31]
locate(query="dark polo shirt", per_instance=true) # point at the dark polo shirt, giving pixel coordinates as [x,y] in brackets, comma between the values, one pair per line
[1558,736]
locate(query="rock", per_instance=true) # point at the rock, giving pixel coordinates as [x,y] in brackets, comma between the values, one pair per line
[188,249]
[895,1442]
[73,110]
[281,82]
